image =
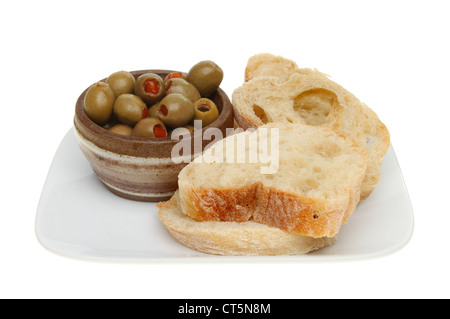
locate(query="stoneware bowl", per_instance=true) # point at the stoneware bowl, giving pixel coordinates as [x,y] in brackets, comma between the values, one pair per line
[140,168]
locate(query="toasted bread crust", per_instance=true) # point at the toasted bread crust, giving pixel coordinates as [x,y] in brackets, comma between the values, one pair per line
[232,238]
[268,206]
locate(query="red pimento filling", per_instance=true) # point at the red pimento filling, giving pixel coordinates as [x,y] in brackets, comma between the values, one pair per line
[159,131]
[151,86]
[145,113]
[163,110]
[174,75]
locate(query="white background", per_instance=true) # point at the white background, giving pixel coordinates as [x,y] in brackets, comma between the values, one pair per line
[394,55]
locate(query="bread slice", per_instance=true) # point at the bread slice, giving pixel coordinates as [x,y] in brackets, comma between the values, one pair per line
[276,90]
[312,193]
[264,64]
[234,239]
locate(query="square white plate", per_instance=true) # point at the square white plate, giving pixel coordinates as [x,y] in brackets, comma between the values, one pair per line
[78,217]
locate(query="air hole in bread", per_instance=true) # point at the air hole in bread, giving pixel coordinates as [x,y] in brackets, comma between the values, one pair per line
[315,105]
[309,185]
[327,149]
[259,112]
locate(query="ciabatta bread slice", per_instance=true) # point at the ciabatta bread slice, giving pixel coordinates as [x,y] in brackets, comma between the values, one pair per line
[313,191]
[278,91]
[232,238]
[266,64]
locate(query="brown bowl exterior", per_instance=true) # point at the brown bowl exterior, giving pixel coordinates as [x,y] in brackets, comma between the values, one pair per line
[139,168]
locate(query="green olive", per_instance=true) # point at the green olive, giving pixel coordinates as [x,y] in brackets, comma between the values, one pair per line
[130,109]
[122,129]
[182,86]
[150,127]
[176,110]
[206,111]
[175,75]
[153,110]
[149,87]
[206,76]
[121,82]
[98,102]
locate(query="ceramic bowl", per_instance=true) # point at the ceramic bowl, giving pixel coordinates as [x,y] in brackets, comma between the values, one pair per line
[141,168]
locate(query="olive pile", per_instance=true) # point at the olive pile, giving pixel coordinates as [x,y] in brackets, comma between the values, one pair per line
[151,106]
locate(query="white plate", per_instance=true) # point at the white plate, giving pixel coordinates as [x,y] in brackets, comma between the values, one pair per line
[78,217]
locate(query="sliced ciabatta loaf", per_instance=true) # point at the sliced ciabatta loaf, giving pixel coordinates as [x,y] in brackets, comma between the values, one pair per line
[312,191]
[278,91]
[232,238]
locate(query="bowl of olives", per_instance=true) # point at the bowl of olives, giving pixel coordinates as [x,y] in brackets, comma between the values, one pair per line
[128,124]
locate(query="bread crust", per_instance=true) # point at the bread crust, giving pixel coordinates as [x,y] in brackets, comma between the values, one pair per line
[276,206]
[277,64]
[350,117]
[244,121]
[232,238]
[268,206]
